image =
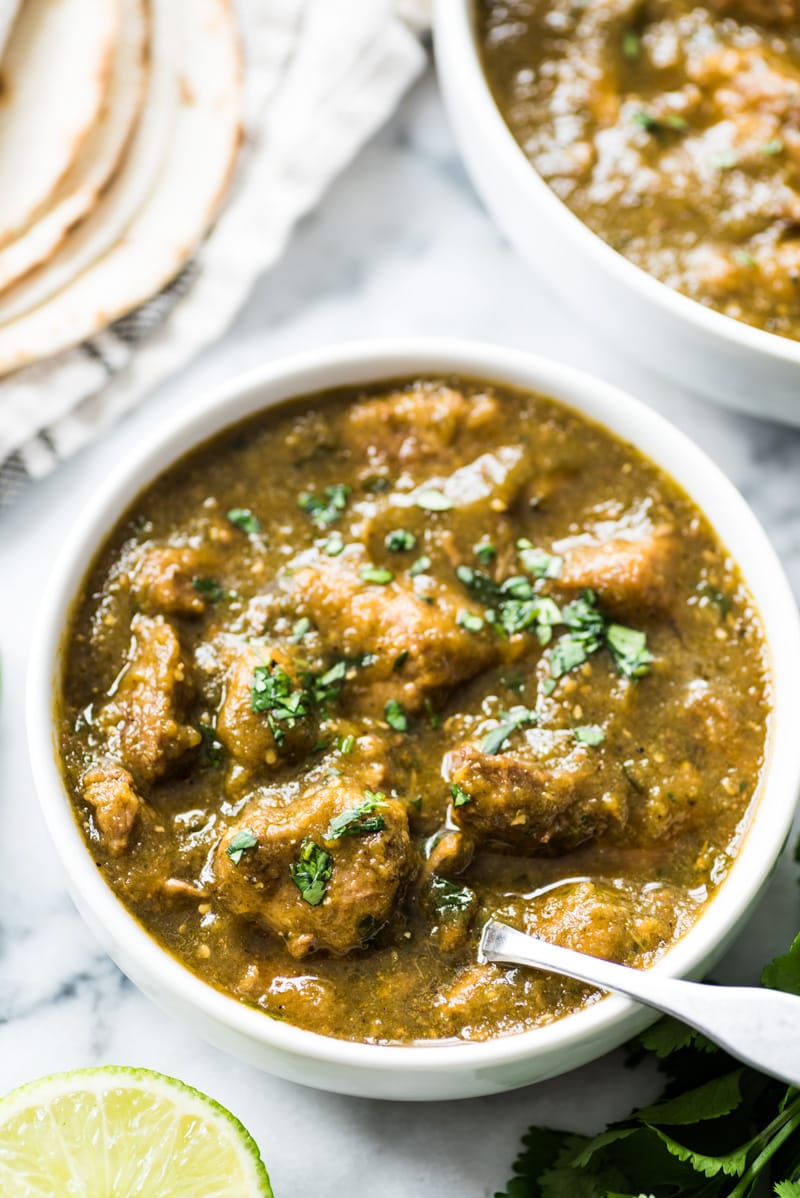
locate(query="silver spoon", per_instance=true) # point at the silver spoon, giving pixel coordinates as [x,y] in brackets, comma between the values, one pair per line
[757,1026]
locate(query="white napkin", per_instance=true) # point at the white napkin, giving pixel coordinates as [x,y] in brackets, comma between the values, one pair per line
[321,77]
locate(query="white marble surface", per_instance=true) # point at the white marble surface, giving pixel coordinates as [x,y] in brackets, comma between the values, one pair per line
[400,247]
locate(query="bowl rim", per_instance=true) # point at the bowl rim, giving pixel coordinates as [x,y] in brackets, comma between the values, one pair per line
[458,55]
[370,362]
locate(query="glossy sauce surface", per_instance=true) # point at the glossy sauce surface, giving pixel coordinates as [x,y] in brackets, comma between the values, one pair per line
[670,127]
[373,666]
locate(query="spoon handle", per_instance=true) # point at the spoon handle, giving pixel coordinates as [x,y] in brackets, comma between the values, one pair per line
[757,1026]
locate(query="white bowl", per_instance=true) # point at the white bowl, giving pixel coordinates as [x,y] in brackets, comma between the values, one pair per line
[453,1070]
[733,363]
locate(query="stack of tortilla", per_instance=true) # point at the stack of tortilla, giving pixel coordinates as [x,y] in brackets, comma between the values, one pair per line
[120,123]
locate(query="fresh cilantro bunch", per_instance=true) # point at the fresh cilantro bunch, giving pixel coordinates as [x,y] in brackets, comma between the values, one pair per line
[718,1131]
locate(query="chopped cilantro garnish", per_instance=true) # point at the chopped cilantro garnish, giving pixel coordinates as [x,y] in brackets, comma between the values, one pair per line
[538,562]
[346,744]
[420,566]
[212,750]
[301,627]
[468,620]
[400,660]
[311,872]
[590,734]
[434,719]
[210,589]
[359,820]
[241,842]
[334,545]
[517,717]
[450,898]
[244,520]
[773,147]
[485,552]
[285,703]
[275,694]
[400,540]
[325,509]
[460,797]
[548,686]
[629,648]
[324,688]
[672,122]
[631,45]
[433,500]
[395,716]
[567,654]
[376,574]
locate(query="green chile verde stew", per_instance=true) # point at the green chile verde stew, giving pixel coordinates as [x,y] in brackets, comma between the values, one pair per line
[373,666]
[672,129]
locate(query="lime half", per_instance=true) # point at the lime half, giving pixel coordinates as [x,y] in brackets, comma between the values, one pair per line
[124,1133]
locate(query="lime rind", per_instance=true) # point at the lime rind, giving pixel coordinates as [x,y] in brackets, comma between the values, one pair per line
[120,1132]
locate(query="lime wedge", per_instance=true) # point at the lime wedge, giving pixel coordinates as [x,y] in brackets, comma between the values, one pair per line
[124,1133]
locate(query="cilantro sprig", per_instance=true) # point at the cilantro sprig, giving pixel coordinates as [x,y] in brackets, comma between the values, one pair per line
[360,820]
[286,702]
[311,872]
[718,1131]
[326,508]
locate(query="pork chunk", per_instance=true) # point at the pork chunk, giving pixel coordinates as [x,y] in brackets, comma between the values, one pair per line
[260,738]
[392,625]
[544,793]
[604,921]
[164,580]
[418,425]
[629,575]
[143,720]
[365,868]
[108,789]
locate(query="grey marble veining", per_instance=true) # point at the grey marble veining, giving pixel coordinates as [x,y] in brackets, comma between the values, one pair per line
[401,246]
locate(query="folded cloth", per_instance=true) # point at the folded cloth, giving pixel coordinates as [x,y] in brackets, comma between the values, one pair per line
[320,78]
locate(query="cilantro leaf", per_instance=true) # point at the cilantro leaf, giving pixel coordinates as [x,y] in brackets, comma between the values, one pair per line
[400,540]
[452,898]
[537,562]
[784,972]
[420,566]
[275,694]
[325,509]
[244,520]
[210,589]
[378,575]
[212,749]
[590,734]
[460,797]
[395,716]
[359,820]
[311,872]
[629,649]
[495,741]
[711,1100]
[240,843]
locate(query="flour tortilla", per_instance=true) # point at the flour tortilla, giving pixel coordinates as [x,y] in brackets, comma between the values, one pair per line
[55,73]
[134,182]
[181,207]
[8,13]
[100,156]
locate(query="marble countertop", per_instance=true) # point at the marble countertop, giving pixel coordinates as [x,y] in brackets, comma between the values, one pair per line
[400,246]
